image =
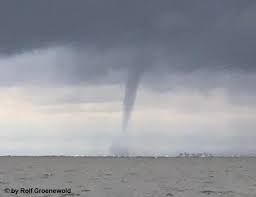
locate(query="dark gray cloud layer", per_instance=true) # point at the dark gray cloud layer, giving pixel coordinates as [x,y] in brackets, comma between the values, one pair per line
[116,35]
[108,37]
[202,32]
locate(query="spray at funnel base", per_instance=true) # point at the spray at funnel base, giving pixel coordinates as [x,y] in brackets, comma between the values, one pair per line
[120,146]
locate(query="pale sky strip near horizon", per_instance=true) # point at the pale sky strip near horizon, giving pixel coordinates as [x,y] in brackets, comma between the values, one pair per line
[75,74]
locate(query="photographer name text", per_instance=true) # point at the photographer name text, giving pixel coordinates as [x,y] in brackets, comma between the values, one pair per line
[37,191]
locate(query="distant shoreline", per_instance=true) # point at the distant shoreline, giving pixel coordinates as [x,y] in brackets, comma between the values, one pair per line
[131,157]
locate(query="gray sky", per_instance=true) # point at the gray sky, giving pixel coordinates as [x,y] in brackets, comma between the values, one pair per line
[65,66]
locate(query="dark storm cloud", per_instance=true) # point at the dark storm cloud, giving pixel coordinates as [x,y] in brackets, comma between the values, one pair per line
[194,33]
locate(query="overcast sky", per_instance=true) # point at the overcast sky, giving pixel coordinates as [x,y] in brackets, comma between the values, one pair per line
[182,73]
